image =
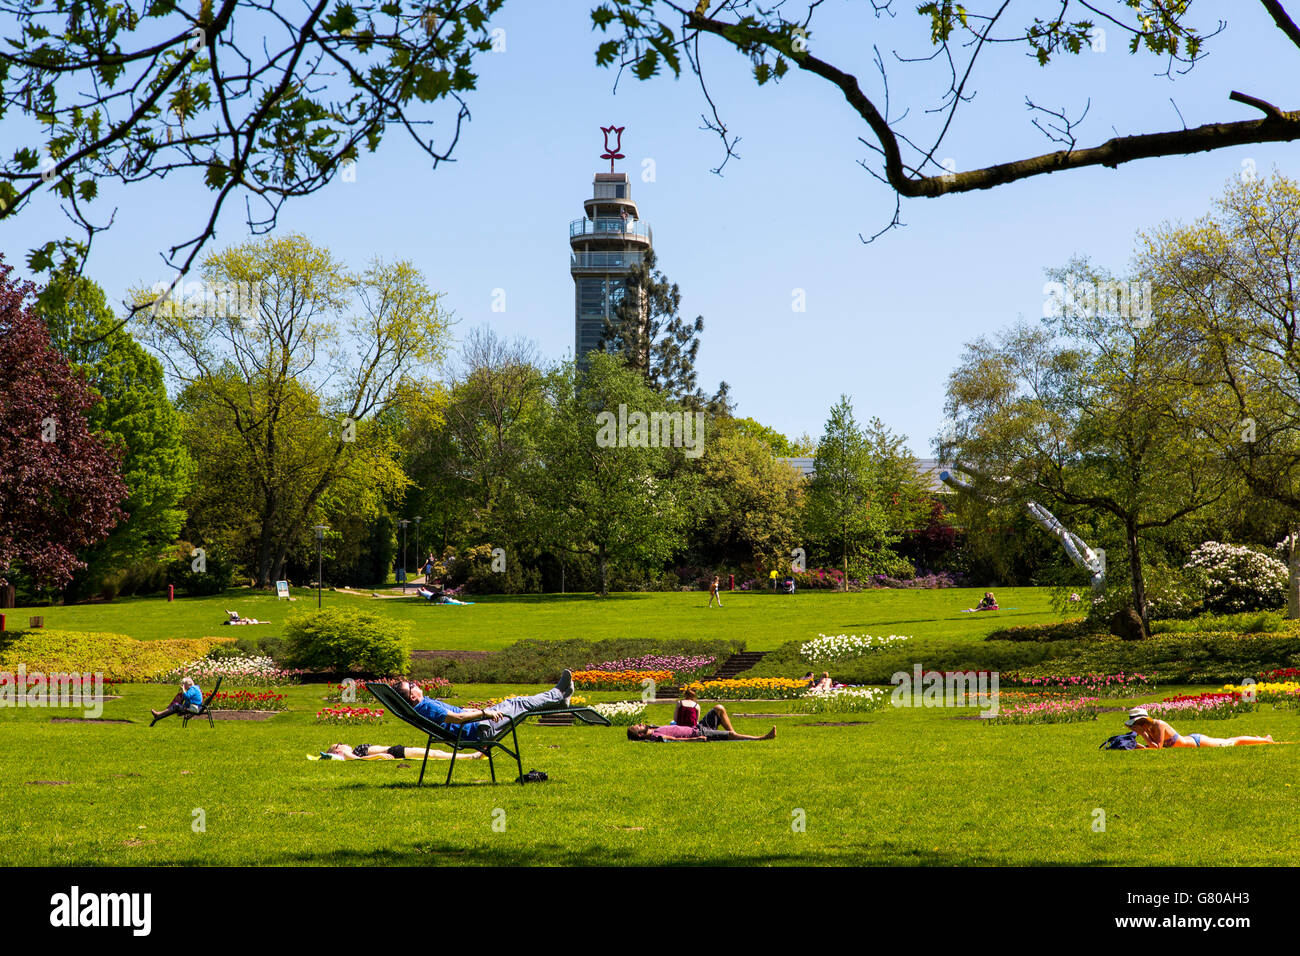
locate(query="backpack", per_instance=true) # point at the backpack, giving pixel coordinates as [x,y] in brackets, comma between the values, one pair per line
[1120,742]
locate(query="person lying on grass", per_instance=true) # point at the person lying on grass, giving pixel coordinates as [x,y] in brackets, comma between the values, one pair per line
[190,700]
[398,752]
[233,618]
[715,725]
[1157,733]
[480,721]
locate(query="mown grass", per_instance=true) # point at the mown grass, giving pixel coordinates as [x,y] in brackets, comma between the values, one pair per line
[899,787]
[763,620]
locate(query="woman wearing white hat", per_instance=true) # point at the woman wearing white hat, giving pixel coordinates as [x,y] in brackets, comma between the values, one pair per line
[1157,733]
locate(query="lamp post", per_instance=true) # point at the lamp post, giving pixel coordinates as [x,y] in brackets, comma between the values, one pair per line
[403,523]
[418,519]
[320,540]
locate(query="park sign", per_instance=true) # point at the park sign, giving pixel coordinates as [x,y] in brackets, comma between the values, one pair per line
[281,590]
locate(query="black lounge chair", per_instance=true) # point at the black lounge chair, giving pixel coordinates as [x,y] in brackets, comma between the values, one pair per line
[403,709]
[203,711]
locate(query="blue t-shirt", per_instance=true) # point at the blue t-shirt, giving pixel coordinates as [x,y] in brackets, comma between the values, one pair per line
[194,696]
[437,710]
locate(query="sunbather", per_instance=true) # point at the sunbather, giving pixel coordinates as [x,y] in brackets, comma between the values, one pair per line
[715,725]
[398,752]
[480,721]
[234,618]
[1157,733]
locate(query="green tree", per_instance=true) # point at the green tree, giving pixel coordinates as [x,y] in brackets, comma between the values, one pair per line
[280,393]
[596,490]
[135,415]
[258,113]
[750,503]
[850,504]
[1087,412]
[1226,287]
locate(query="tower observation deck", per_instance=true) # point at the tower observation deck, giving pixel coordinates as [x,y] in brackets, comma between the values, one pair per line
[604,245]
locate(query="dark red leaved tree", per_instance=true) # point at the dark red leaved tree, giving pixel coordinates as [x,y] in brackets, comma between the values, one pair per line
[60,486]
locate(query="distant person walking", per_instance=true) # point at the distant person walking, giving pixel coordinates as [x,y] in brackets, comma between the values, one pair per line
[713,592]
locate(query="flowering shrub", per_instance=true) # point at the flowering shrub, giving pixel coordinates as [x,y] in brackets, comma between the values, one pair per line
[247,700]
[258,671]
[1237,578]
[683,668]
[940,579]
[838,701]
[1099,685]
[753,688]
[1210,706]
[1285,673]
[844,647]
[619,680]
[818,579]
[349,715]
[1046,712]
[623,713]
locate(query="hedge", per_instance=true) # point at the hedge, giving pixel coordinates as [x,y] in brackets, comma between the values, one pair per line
[540,662]
[116,656]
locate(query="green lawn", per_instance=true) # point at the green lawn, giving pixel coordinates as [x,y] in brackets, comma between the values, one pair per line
[907,787]
[763,620]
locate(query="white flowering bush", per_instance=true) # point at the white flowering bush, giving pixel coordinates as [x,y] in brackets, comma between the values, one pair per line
[855,700]
[844,647]
[260,671]
[1237,578]
[623,713]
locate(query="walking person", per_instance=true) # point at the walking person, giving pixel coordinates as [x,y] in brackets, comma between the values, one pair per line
[713,592]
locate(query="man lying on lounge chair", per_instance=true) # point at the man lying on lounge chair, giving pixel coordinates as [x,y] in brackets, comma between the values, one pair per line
[480,721]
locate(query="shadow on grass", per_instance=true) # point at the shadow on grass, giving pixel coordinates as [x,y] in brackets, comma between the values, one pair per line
[442,853]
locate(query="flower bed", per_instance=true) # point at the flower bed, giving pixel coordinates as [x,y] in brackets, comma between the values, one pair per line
[844,647]
[1209,706]
[753,688]
[248,700]
[684,668]
[619,680]
[1265,693]
[1046,712]
[1099,685]
[857,700]
[258,671]
[623,713]
[349,715]
[432,687]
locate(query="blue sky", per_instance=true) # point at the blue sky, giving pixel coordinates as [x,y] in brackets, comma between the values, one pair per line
[884,322]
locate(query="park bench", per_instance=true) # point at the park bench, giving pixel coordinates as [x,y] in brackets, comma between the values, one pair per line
[404,710]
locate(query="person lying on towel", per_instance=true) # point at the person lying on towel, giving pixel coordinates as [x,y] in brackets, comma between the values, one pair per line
[715,725]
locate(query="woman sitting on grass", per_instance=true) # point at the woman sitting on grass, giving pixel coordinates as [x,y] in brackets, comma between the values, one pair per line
[398,752]
[1157,733]
[688,711]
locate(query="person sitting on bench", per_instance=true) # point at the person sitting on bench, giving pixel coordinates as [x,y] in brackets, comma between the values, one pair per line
[189,699]
[398,752]
[715,725]
[480,721]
